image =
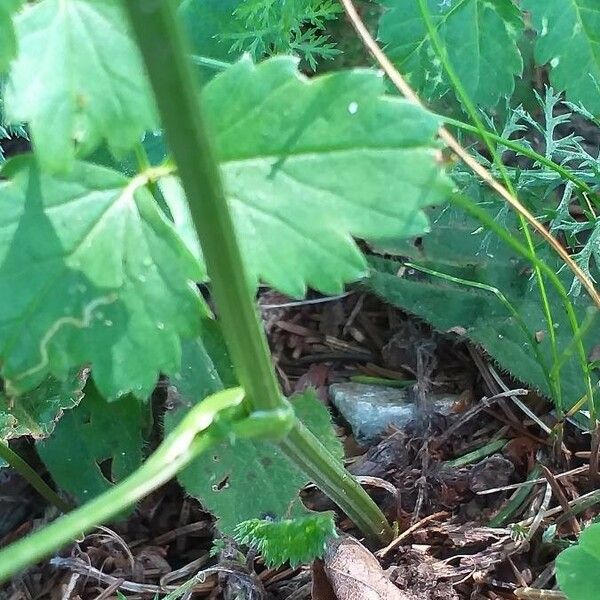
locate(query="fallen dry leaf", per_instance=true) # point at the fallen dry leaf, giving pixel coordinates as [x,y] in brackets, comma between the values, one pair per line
[355,574]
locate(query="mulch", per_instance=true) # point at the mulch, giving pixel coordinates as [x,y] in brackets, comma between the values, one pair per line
[456,538]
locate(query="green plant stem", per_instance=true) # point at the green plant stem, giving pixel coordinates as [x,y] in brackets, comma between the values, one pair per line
[440,51]
[503,299]
[166,59]
[483,217]
[211,63]
[157,470]
[34,480]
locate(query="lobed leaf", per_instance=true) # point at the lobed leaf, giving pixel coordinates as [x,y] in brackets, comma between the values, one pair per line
[480,38]
[308,164]
[96,275]
[78,80]
[243,479]
[87,437]
[568,40]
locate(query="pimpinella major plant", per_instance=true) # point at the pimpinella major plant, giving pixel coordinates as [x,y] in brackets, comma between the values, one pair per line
[139,187]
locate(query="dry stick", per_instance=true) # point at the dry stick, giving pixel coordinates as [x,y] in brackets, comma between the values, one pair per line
[560,496]
[400,83]
[396,542]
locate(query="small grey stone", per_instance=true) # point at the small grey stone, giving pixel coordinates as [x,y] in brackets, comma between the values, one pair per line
[371,409]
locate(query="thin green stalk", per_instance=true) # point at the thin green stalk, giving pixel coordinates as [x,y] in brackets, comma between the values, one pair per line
[483,217]
[166,59]
[34,480]
[502,298]
[211,63]
[566,174]
[191,437]
[442,55]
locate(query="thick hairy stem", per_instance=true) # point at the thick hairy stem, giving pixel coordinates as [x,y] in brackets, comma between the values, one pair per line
[168,65]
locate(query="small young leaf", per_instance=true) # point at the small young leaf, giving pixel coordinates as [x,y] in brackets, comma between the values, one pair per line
[309,163]
[578,567]
[297,541]
[78,80]
[568,40]
[97,275]
[37,412]
[88,436]
[480,38]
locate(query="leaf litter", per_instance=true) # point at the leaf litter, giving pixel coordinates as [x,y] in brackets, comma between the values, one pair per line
[477,516]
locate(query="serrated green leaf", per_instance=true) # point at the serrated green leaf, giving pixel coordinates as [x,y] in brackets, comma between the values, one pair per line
[78,80]
[246,479]
[297,541]
[568,40]
[578,567]
[89,435]
[458,246]
[309,163]
[96,275]
[8,38]
[37,412]
[480,38]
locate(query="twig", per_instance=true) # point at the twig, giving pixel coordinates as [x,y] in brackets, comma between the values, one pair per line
[562,499]
[515,486]
[396,542]
[400,83]
[78,566]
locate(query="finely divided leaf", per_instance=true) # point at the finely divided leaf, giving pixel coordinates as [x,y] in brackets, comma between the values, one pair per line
[96,275]
[569,41]
[308,164]
[88,436]
[78,80]
[37,412]
[297,541]
[480,38]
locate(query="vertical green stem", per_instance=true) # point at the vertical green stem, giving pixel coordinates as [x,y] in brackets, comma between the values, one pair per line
[34,480]
[166,59]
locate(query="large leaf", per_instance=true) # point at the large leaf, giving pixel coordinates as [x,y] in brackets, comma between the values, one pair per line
[87,437]
[8,38]
[245,479]
[37,412]
[480,38]
[568,40]
[578,567]
[309,163]
[96,275]
[78,79]
[459,247]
